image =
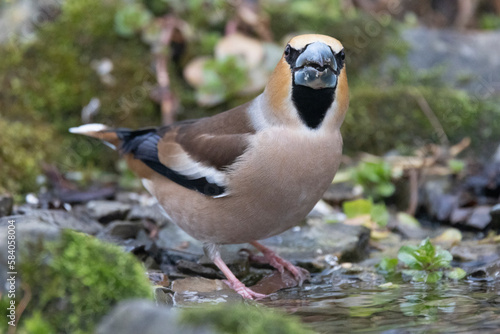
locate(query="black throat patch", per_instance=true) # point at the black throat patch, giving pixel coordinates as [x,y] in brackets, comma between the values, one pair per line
[312,104]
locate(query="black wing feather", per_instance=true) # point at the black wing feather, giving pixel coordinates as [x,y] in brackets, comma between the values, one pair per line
[143,144]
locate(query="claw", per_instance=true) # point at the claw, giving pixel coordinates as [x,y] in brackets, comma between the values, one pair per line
[281,264]
[244,291]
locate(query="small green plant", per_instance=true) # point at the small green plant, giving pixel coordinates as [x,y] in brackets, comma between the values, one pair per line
[378,212]
[375,178]
[425,263]
[387,266]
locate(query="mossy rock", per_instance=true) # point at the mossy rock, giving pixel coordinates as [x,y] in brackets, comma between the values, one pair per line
[71,283]
[381,118]
[243,319]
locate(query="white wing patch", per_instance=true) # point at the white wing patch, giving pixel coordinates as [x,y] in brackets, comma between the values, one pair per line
[86,128]
[183,164]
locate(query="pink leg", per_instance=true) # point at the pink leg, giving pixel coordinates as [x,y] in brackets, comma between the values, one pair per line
[232,281]
[281,264]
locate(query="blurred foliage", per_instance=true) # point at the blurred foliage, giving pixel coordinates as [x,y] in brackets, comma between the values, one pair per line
[23,148]
[75,281]
[387,114]
[365,207]
[48,79]
[243,319]
[489,21]
[375,178]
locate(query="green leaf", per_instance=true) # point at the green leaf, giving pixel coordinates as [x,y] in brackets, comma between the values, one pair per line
[416,275]
[456,166]
[408,220]
[434,277]
[385,189]
[456,273]
[387,265]
[357,208]
[407,255]
[379,214]
[131,18]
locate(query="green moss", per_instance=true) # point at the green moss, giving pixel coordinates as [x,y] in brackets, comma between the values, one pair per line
[22,150]
[50,79]
[75,281]
[382,117]
[243,319]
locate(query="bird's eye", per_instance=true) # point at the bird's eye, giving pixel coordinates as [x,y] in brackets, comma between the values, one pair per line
[342,55]
[287,50]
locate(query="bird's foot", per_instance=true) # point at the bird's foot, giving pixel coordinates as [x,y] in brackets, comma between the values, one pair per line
[245,292]
[299,274]
[281,264]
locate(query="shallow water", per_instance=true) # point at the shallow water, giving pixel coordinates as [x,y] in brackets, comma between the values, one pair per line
[360,305]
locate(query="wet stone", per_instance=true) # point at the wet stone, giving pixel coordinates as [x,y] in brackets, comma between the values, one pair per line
[107,211]
[477,253]
[193,298]
[490,271]
[480,218]
[120,230]
[192,268]
[274,282]
[199,284]
[304,244]
[163,297]
[6,204]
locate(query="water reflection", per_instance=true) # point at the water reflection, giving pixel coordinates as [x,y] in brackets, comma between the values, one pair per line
[356,305]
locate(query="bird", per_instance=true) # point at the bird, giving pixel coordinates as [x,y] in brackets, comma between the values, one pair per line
[253,171]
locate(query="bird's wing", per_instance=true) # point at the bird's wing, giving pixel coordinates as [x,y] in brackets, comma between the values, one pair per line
[194,154]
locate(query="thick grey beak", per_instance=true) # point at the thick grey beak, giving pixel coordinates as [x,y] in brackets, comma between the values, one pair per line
[316,67]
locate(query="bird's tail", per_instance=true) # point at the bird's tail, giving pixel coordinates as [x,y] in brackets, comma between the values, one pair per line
[100,131]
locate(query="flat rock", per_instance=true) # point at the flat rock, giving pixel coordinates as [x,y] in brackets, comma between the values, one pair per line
[303,244]
[173,237]
[150,212]
[341,192]
[495,217]
[480,218]
[488,272]
[107,211]
[474,252]
[274,282]
[193,268]
[460,215]
[6,204]
[143,316]
[472,54]
[120,230]
[59,219]
[199,284]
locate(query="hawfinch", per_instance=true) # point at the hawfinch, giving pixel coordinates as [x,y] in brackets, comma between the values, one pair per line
[253,171]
